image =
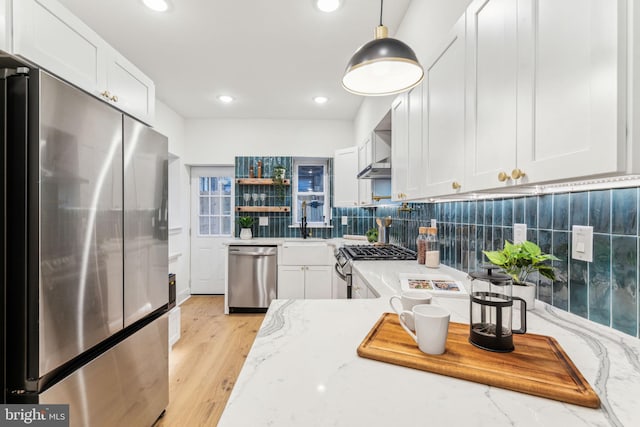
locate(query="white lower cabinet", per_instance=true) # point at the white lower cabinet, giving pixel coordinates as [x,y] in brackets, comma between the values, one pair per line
[51,37]
[360,289]
[304,282]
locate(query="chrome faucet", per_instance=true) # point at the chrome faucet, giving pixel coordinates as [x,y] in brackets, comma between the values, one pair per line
[303,221]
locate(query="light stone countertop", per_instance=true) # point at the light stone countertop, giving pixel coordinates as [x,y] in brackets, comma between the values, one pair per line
[303,370]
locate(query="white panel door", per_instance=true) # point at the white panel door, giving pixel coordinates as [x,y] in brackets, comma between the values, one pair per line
[49,35]
[345,184]
[131,90]
[291,282]
[444,112]
[399,147]
[364,160]
[212,192]
[415,168]
[571,110]
[491,93]
[317,282]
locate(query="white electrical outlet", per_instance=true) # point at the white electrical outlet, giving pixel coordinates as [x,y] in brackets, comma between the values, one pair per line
[582,243]
[519,233]
[345,220]
[263,221]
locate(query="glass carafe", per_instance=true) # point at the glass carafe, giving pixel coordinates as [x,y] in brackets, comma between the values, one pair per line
[491,308]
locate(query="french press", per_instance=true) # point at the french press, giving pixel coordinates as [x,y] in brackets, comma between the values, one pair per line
[491,311]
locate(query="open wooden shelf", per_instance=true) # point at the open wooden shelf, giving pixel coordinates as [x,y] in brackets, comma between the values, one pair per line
[260,181]
[263,209]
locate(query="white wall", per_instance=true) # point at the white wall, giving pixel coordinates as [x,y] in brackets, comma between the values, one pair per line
[425,25]
[218,141]
[169,123]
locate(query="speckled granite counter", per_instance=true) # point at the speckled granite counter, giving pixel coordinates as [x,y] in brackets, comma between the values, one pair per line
[303,370]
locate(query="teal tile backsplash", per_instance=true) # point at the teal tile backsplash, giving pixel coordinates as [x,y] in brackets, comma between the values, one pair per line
[604,291]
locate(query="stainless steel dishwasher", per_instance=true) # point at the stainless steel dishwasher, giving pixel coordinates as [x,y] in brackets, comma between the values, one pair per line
[252,278]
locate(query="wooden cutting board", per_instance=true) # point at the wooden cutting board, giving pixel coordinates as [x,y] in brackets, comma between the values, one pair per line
[537,366]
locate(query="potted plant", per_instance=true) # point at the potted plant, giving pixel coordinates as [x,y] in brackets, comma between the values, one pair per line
[519,261]
[245,227]
[279,173]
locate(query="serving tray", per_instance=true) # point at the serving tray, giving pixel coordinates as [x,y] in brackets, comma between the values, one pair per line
[538,365]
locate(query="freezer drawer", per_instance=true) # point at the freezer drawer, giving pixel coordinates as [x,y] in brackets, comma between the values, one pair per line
[252,276]
[126,386]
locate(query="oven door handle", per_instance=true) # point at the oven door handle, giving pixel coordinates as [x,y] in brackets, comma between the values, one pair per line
[340,273]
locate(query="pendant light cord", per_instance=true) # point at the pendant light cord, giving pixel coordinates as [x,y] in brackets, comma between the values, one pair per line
[381,2]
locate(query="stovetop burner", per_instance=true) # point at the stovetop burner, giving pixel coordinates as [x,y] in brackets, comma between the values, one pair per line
[382,252]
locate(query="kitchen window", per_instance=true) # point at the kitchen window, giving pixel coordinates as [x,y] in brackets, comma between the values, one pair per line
[311,185]
[214,218]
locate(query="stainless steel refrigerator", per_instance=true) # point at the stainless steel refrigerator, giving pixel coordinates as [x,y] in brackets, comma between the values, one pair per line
[84,198]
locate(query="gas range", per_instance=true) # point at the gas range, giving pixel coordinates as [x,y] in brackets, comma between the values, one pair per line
[349,253]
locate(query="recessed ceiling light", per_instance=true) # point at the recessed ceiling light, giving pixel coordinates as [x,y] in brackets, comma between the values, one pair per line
[328,5]
[320,99]
[157,5]
[225,98]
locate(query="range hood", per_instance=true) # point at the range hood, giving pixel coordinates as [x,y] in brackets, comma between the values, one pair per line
[376,171]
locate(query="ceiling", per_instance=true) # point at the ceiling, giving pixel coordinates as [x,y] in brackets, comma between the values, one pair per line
[272,56]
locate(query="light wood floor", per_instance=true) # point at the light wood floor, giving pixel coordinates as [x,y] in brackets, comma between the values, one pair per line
[205,362]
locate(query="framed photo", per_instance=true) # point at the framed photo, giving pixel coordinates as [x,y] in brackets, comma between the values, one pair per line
[439,285]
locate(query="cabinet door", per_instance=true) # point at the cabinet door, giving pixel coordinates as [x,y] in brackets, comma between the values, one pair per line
[399,147]
[571,88]
[50,36]
[291,282]
[317,282]
[345,184]
[415,169]
[444,109]
[131,90]
[491,91]
[365,157]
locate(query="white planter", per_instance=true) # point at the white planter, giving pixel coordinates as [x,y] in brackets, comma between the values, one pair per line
[527,293]
[245,234]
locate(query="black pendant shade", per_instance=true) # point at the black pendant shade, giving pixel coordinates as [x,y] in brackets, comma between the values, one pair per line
[383,66]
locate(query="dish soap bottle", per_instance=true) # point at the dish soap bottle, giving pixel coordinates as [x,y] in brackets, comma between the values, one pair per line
[432,248]
[421,244]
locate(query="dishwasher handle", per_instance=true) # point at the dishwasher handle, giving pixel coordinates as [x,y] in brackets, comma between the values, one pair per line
[237,252]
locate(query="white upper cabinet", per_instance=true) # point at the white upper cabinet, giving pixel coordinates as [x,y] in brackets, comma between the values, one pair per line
[365,152]
[48,35]
[399,147]
[345,183]
[444,116]
[130,89]
[571,88]
[492,66]
[545,91]
[415,172]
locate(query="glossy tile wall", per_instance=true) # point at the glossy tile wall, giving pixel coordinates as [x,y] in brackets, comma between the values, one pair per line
[279,223]
[604,291]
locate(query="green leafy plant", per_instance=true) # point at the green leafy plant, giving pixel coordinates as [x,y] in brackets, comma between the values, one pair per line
[372,235]
[521,260]
[245,221]
[279,173]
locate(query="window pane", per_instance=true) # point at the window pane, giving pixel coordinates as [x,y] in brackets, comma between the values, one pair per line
[204,205]
[226,224]
[315,208]
[215,225]
[226,182]
[215,206]
[204,225]
[226,205]
[204,185]
[214,185]
[311,178]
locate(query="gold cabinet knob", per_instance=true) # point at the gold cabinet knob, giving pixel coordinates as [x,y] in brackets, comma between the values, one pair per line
[105,94]
[517,173]
[114,98]
[502,177]
[456,185]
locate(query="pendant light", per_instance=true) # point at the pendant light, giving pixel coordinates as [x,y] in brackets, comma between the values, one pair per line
[383,66]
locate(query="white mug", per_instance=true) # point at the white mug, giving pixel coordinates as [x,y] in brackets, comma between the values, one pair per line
[409,299]
[432,327]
